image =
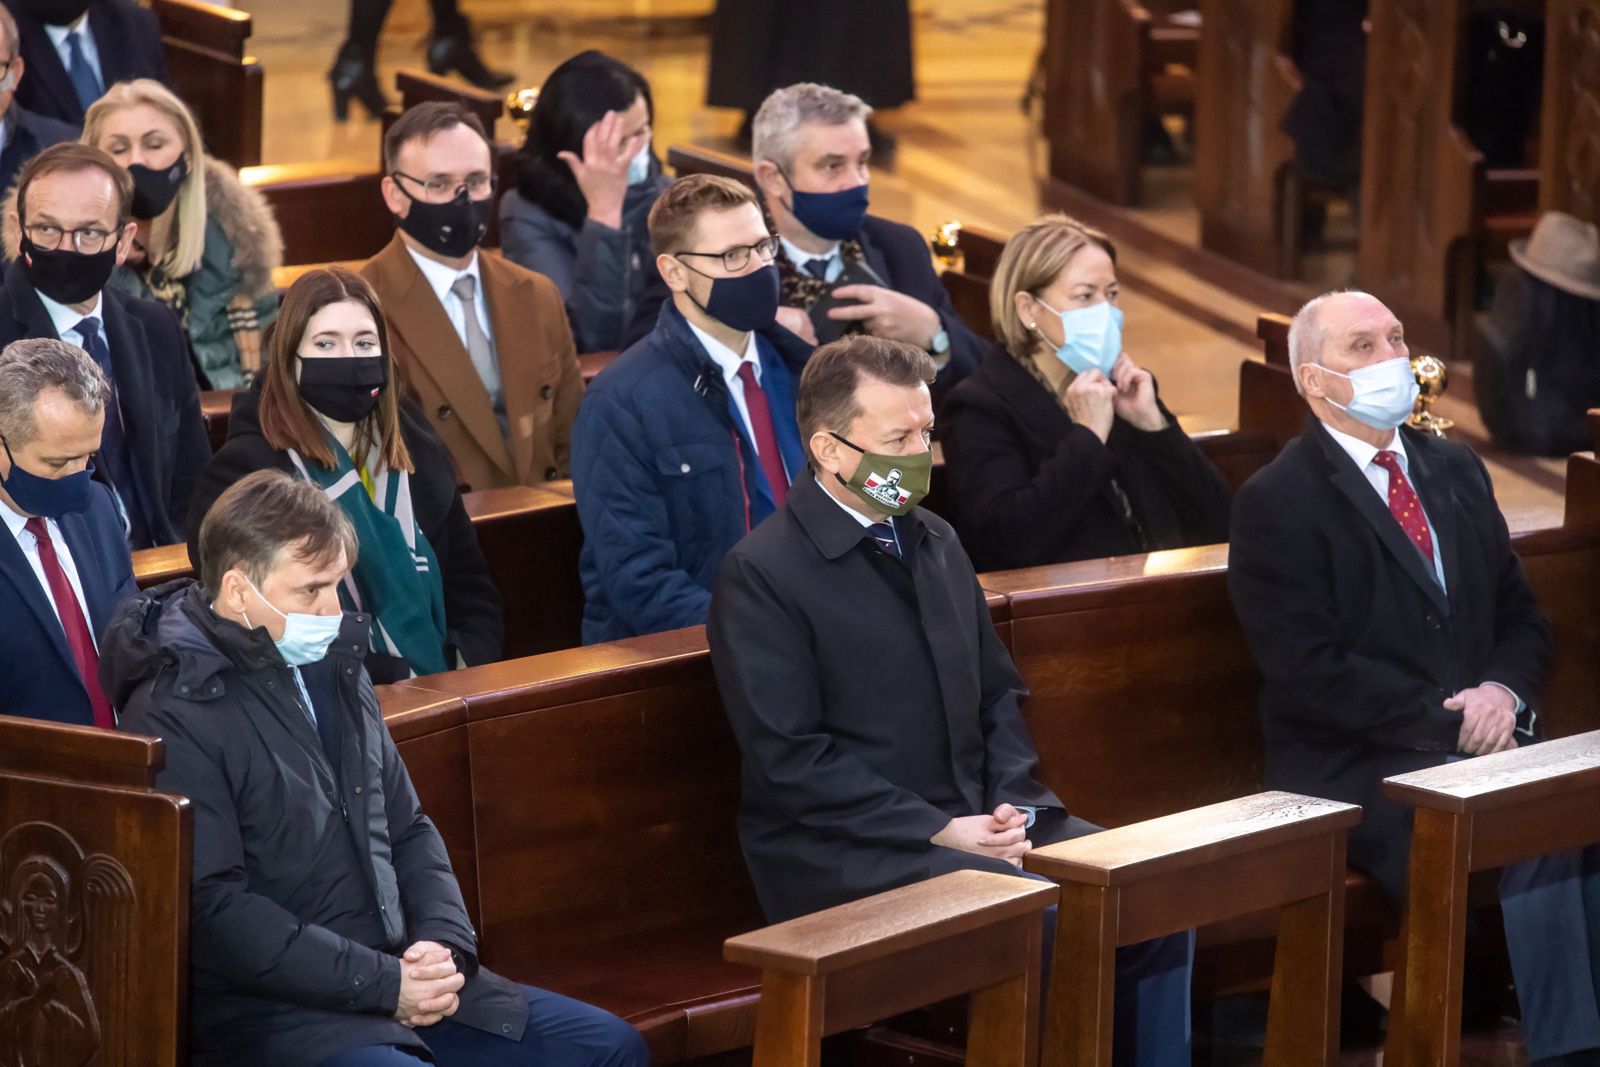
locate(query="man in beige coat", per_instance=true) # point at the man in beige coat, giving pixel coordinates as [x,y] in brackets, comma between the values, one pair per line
[483,343]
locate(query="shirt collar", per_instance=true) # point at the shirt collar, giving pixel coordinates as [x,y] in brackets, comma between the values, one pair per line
[726,358]
[1362,452]
[846,508]
[65,318]
[14,521]
[441,277]
[58,34]
[799,256]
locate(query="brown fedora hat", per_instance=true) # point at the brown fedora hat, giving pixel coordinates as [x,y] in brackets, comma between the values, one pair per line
[1564,251]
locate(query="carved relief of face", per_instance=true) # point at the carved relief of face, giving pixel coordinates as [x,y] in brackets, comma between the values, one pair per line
[41,903]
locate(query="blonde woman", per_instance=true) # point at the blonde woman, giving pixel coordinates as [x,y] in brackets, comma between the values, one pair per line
[206,244]
[1058,447]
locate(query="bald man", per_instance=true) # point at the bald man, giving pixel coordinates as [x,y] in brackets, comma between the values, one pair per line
[1373,575]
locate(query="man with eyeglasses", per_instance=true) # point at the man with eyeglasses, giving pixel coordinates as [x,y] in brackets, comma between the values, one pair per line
[689,439]
[484,344]
[71,211]
[23,133]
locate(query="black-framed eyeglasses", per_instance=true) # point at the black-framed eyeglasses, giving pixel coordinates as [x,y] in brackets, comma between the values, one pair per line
[440,190]
[739,257]
[86,239]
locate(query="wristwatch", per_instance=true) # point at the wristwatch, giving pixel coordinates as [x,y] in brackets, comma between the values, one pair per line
[939,347]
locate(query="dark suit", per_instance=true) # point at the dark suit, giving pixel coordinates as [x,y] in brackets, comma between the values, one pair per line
[156,394]
[39,679]
[127,37]
[28,134]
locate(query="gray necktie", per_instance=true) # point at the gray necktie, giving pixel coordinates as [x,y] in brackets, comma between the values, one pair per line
[479,346]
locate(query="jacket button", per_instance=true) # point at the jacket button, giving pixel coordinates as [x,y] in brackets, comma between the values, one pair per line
[183,689]
[550,474]
[505,1028]
[358,790]
[545,392]
[445,411]
[359,979]
[349,670]
[684,469]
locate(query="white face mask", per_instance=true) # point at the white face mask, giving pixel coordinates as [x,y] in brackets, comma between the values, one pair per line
[1384,394]
[639,165]
[306,638]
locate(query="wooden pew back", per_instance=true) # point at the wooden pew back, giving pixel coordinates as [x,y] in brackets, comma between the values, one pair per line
[1569,166]
[215,75]
[120,886]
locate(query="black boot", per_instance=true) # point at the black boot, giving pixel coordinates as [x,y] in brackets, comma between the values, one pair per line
[355,76]
[452,52]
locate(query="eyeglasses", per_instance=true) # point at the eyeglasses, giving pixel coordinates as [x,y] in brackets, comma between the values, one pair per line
[87,239]
[440,190]
[739,258]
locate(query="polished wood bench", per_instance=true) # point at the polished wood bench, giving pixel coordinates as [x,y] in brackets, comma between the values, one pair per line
[1475,815]
[215,75]
[1276,851]
[842,968]
[79,813]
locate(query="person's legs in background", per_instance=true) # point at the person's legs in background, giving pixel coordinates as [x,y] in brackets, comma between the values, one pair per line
[561,1032]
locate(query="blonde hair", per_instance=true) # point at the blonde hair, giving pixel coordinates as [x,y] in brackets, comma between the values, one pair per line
[1032,259]
[189,225]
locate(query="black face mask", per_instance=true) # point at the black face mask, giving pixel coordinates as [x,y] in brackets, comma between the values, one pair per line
[344,388]
[451,229]
[155,190]
[65,276]
[57,12]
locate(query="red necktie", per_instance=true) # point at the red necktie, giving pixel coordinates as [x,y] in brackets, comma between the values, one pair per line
[1404,505]
[72,622]
[755,402]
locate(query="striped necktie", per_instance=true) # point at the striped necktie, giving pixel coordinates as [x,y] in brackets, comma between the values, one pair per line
[883,534]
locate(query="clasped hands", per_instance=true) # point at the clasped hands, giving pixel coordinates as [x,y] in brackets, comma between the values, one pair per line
[1488,719]
[884,312]
[1000,836]
[429,983]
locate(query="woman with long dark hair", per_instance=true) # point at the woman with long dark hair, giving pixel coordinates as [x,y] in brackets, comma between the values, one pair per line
[327,408]
[588,179]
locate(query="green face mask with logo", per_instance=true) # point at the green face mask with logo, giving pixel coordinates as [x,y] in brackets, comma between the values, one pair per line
[890,484]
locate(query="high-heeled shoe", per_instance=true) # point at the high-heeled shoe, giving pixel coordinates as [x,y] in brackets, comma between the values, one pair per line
[452,52]
[355,77]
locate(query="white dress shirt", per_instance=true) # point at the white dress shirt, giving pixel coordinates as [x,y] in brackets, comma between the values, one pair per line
[440,278]
[30,550]
[798,257]
[729,362]
[66,320]
[58,37]
[863,519]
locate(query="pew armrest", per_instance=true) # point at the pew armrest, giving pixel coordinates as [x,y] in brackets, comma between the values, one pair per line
[1191,838]
[1503,779]
[85,754]
[889,923]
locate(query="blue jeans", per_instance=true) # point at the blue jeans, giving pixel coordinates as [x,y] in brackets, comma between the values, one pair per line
[561,1032]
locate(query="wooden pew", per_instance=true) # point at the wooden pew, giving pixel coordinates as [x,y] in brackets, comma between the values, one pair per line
[531,538]
[215,75]
[81,822]
[1108,76]
[1569,166]
[1477,815]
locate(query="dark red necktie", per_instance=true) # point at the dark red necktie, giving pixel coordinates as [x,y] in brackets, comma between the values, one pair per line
[1404,504]
[755,402]
[72,622]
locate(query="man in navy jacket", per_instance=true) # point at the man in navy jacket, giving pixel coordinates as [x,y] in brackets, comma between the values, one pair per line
[689,439]
[77,49]
[844,271]
[64,564]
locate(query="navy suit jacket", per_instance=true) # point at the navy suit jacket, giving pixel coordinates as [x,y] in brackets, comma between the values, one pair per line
[38,677]
[156,393]
[29,135]
[127,36]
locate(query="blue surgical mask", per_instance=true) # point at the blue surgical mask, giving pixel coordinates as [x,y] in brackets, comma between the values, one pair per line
[1091,337]
[639,165]
[831,216]
[306,638]
[49,497]
[1384,394]
[745,302]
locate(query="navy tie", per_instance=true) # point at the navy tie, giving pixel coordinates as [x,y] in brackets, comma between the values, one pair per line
[84,80]
[883,533]
[817,268]
[113,440]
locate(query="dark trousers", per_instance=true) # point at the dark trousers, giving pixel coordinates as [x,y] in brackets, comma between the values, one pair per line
[1551,907]
[561,1032]
[367,18]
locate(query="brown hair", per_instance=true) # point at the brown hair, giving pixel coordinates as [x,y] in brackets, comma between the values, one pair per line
[1032,259]
[424,120]
[70,157]
[675,212]
[265,514]
[287,421]
[827,396]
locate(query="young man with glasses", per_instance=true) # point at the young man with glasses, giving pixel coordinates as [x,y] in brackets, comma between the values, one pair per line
[689,439]
[483,343]
[72,215]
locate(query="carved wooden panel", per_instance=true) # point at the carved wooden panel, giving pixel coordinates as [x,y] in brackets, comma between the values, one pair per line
[1569,161]
[94,901]
[1095,96]
[1240,155]
[1420,174]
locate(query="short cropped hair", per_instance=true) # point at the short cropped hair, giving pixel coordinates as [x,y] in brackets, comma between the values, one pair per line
[1032,259]
[827,396]
[786,111]
[423,121]
[1307,334]
[263,515]
[29,367]
[70,157]
[675,212]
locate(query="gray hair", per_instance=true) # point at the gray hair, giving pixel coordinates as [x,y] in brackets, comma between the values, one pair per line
[777,125]
[1307,335]
[29,367]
